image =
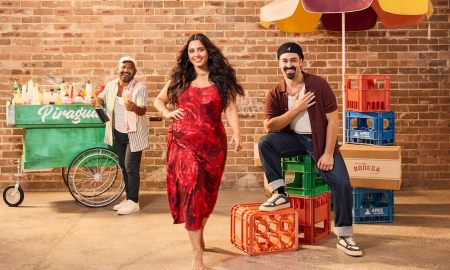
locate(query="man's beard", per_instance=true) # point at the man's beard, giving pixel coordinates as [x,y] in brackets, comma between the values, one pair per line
[290,76]
[128,78]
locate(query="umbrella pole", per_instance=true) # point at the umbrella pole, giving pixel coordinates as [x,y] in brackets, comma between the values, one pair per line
[343,76]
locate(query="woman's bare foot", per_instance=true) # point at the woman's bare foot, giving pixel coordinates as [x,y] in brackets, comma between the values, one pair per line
[197,260]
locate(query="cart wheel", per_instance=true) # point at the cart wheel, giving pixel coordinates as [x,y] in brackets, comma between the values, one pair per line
[94,177]
[12,198]
[64,175]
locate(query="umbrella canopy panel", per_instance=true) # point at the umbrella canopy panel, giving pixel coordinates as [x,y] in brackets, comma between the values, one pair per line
[335,6]
[289,16]
[354,21]
[404,7]
[391,20]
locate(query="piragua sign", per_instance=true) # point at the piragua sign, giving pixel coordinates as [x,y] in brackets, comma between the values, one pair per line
[55,115]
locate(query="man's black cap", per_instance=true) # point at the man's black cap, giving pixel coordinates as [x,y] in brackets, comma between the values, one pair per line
[290,47]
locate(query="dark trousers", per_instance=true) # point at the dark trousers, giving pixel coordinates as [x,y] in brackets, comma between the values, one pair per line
[130,163]
[274,146]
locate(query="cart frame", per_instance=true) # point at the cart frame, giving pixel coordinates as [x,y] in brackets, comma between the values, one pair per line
[90,168]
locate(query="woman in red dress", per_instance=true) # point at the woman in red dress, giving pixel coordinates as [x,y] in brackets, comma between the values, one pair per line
[203,85]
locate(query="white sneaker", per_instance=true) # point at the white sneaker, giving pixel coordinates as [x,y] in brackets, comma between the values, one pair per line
[130,207]
[348,245]
[120,205]
[275,202]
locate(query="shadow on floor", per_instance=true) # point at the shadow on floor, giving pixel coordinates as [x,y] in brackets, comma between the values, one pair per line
[149,203]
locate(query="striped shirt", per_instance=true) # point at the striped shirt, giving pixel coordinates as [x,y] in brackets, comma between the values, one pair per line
[139,139]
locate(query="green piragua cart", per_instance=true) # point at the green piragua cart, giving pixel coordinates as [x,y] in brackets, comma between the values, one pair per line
[69,137]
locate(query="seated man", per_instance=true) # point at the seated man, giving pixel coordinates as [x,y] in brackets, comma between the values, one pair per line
[302,115]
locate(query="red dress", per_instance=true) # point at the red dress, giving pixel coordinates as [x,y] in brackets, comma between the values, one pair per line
[196,154]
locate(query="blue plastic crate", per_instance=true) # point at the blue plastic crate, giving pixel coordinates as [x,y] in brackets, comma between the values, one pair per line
[373,205]
[364,119]
[356,140]
[387,135]
[375,128]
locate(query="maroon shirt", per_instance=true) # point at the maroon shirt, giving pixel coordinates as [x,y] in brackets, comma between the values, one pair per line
[277,104]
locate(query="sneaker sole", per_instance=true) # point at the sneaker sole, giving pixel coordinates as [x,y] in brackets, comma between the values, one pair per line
[132,212]
[349,252]
[275,208]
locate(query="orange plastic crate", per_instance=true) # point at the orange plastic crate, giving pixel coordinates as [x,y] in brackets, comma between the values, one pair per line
[257,232]
[314,217]
[368,93]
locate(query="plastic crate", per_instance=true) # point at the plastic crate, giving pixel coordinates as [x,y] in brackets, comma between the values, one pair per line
[314,217]
[377,128]
[373,205]
[257,232]
[367,93]
[305,180]
[300,163]
[306,184]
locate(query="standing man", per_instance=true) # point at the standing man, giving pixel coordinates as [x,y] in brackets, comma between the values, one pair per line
[126,100]
[301,116]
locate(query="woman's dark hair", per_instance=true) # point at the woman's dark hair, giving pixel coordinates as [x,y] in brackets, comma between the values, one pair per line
[221,73]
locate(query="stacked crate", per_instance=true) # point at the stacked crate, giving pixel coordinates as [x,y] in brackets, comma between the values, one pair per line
[314,217]
[301,176]
[310,196]
[257,232]
[373,128]
[373,205]
[369,121]
[307,221]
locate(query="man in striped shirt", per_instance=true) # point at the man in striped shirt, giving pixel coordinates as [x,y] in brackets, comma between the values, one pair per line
[126,101]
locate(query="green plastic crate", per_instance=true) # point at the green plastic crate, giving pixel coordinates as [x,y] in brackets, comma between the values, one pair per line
[306,182]
[302,163]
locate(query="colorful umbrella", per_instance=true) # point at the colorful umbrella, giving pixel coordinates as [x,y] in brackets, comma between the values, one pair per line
[295,16]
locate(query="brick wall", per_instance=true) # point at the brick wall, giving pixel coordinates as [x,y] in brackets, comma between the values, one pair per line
[81,40]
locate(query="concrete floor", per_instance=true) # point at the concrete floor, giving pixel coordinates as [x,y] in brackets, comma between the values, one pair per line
[50,231]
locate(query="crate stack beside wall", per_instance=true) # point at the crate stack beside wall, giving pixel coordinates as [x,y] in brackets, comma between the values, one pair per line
[372,159]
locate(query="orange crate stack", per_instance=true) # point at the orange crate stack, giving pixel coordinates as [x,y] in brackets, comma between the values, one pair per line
[257,232]
[314,217]
[368,93]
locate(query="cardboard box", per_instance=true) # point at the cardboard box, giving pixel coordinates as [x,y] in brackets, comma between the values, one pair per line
[370,166]
[256,159]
